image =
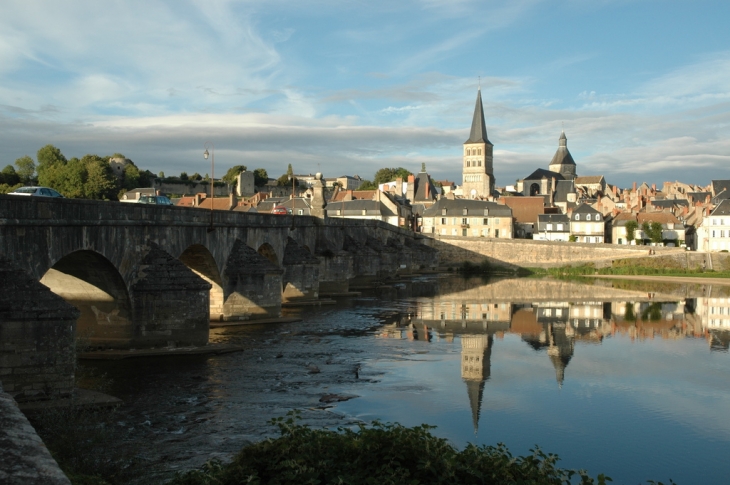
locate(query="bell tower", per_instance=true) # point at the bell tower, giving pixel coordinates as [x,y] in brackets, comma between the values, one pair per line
[477,169]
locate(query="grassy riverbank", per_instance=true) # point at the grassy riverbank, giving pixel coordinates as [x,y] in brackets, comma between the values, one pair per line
[627,270]
[379,454]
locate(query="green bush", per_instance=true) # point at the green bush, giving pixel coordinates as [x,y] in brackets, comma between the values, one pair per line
[379,454]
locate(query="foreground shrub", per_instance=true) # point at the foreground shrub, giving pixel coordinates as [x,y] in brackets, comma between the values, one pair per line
[379,454]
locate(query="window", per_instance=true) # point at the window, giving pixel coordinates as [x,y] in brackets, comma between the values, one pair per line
[598,217]
[713,233]
[454,221]
[467,163]
[588,217]
[301,212]
[549,227]
[465,221]
[496,233]
[560,227]
[480,163]
[364,212]
[486,212]
[443,221]
[443,212]
[577,217]
[468,152]
[496,220]
[463,212]
[486,221]
[480,151]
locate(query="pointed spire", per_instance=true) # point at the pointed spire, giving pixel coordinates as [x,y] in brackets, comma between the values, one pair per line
[563,141]
[478,127]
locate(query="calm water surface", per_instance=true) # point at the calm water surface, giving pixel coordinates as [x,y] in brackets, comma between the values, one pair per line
[627,379]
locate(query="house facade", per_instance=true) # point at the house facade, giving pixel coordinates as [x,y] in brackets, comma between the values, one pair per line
[468,218]
[587,225]
[552,227]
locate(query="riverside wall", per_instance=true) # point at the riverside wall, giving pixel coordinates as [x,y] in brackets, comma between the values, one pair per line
[538,254]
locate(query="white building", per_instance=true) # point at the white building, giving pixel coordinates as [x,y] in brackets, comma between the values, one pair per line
[714,234]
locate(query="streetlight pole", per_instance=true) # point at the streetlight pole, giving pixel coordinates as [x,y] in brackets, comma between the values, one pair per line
[212,178]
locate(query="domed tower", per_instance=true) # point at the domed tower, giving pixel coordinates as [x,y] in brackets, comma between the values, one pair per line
[562,161]
[477,170]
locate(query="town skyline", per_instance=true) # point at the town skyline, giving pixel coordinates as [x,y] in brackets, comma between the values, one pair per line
[639,88]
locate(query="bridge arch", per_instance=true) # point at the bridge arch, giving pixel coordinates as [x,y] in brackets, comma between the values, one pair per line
[200,260]
[268,252]
[91,283]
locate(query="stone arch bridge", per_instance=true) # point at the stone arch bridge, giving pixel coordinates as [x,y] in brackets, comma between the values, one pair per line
[144,276]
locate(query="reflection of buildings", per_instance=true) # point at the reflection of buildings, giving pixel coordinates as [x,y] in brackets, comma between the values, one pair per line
[652,319]
[714,313]
[476,353]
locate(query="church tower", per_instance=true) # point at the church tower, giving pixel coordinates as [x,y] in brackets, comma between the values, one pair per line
[477,170]
[562,161]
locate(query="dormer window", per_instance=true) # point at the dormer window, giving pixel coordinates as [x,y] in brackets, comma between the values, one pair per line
[598,217]
[577,217]
[443,212]
[464,212]
[588,217]
[486,212]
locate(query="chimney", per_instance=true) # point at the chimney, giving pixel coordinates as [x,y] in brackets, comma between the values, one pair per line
[196,202]
[348,196]
[634,187]
[653,188]
[615,190]
[232,200]
[598,203]
[707,199]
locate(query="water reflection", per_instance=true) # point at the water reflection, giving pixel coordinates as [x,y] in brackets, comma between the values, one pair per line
[557,316]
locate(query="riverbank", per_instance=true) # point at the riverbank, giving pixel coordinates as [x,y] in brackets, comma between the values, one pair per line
[698,279]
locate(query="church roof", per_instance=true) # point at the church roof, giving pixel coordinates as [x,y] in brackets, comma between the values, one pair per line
[478,127]
[541,173]
[562,156]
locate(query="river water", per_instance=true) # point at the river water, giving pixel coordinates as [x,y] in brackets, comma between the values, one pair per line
[627,379]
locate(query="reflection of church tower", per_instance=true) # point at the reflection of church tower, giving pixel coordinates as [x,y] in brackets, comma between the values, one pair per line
[560,350]
[477,170]
[562,161]
[476,352]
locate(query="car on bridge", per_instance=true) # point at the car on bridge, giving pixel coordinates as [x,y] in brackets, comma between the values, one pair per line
[155,199]
[280,210]
[35,192]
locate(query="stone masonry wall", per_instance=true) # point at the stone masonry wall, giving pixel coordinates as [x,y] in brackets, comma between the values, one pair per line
[529,253]
[24,459]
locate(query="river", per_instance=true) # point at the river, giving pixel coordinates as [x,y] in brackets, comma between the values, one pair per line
[629,379]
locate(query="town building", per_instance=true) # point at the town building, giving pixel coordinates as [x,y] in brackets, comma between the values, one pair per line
[470,218]
[714,234]
[552,227]
[587,225]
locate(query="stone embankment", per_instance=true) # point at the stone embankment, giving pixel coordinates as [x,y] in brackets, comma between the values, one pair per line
[527,253]
[24,459]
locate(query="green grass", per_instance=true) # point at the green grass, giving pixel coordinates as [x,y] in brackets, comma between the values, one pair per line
[626,270]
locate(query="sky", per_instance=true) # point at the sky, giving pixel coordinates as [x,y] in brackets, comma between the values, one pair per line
[641,87]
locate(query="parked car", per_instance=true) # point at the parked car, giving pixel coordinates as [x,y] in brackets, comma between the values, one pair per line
[279,210]
[35,192]
[155,199]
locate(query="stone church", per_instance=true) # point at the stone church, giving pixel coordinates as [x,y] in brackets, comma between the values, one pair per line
[477,168]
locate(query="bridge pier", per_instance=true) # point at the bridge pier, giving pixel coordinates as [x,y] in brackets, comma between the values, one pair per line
[37,336]
[301,273]
[253,285]
[170,302]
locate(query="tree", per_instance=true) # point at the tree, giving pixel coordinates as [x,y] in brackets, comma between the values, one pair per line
[655,232]
[260,177]
[367,185]
[231,176]
[631,227]
[161,175]
[48,157]
[196,177]
[101,181]
[285,180]
[68,178]
[389,174]
[184,176]
[646,229]
[26,169]
[8,176]
[132,177]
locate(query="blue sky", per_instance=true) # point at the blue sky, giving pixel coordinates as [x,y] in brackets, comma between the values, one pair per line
[642,88]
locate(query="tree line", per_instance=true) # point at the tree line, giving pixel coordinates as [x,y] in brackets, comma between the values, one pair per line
[89,177]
